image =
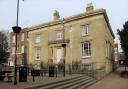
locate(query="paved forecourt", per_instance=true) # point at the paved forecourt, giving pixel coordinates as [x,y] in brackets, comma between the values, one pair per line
[112,81]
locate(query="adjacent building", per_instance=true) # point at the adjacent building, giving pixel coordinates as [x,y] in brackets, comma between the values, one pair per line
[85,38]
[116,56]
[21,48]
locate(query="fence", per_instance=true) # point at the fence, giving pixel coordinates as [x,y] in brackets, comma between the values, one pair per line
[69,69]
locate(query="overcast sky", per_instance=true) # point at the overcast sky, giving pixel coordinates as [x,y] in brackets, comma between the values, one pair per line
[34,12]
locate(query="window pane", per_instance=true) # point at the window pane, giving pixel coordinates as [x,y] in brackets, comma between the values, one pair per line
[22,37]
[22,49]
[37,38]
[37,53]
[86,49]
[13,39]
[13,50]
[85,30]
[59,36]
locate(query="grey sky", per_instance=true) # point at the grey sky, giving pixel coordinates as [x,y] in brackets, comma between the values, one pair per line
[33,12]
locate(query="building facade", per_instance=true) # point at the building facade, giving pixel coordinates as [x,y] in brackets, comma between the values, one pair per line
[85,38]
[116,56]
[21,48]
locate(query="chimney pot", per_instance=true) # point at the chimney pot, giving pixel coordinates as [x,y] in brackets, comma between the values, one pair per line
[89,7]
[56,15]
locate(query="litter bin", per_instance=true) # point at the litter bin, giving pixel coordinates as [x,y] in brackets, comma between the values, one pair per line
[22,74]
[51,71]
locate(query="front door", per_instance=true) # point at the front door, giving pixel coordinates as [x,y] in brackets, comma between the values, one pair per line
[59,55]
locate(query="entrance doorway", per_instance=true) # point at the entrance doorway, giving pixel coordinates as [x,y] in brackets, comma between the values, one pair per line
[59,55]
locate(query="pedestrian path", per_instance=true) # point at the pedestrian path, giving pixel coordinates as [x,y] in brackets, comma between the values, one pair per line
[112,81]
[74,81]
[67,82]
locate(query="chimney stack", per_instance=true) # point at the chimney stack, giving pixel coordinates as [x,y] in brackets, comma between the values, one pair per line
[56,15]
[89,8]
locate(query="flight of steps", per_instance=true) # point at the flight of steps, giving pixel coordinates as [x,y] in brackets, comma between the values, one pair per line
[81,82]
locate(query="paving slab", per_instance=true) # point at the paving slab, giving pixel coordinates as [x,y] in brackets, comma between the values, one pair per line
[38,81]
[112,81]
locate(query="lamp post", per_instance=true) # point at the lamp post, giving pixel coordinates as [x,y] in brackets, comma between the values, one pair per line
[64,53]
[16,30]
[64,48]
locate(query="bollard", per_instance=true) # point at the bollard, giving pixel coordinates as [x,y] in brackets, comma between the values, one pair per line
[33,75]
[33,78]
[69,69]
[64,71]
[56,71]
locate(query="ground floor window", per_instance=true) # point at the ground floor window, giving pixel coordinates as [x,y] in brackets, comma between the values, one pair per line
[37,64]
[86,49]
[37,53]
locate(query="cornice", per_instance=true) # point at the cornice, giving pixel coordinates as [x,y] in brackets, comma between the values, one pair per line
[68,19]
[74,18]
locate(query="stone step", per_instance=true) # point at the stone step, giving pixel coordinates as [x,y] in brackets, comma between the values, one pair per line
[81,84]
[53,86]
[75,84]
[88,84]
[55,82]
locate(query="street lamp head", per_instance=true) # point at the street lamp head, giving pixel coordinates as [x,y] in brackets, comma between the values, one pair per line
[16,29]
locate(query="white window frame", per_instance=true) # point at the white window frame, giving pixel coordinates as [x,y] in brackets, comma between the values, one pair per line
[22,36]
[37,38]
[59,35]
[22,49]
[37,53]
[86,49]
[85,30]
[13,50]
[13,39]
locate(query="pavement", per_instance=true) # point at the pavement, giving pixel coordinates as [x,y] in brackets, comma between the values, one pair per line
[112,81]
[39,80]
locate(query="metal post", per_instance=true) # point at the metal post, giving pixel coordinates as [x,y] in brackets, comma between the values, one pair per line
[64,63]
[64,48]
[33,78]
[56,71]
[15,74]
[17,20]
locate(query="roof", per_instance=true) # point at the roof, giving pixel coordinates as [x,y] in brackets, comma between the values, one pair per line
[73,18]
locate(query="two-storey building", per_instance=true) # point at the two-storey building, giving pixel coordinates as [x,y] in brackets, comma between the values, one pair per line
[86,38]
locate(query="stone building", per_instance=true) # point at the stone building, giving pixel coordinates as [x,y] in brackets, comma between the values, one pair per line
[21,48]
[85,38]
[116,56]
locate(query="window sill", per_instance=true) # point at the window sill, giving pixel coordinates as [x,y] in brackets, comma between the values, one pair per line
[37,42]
[59,39]
[85,57]
[85,35]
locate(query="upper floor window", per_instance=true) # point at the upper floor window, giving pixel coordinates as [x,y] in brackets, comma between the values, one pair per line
[13,39]
[22,37]
[85,30]
[37,53]
[59,36]
[13,50]
[86,49]
[37,38]
[22,49]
